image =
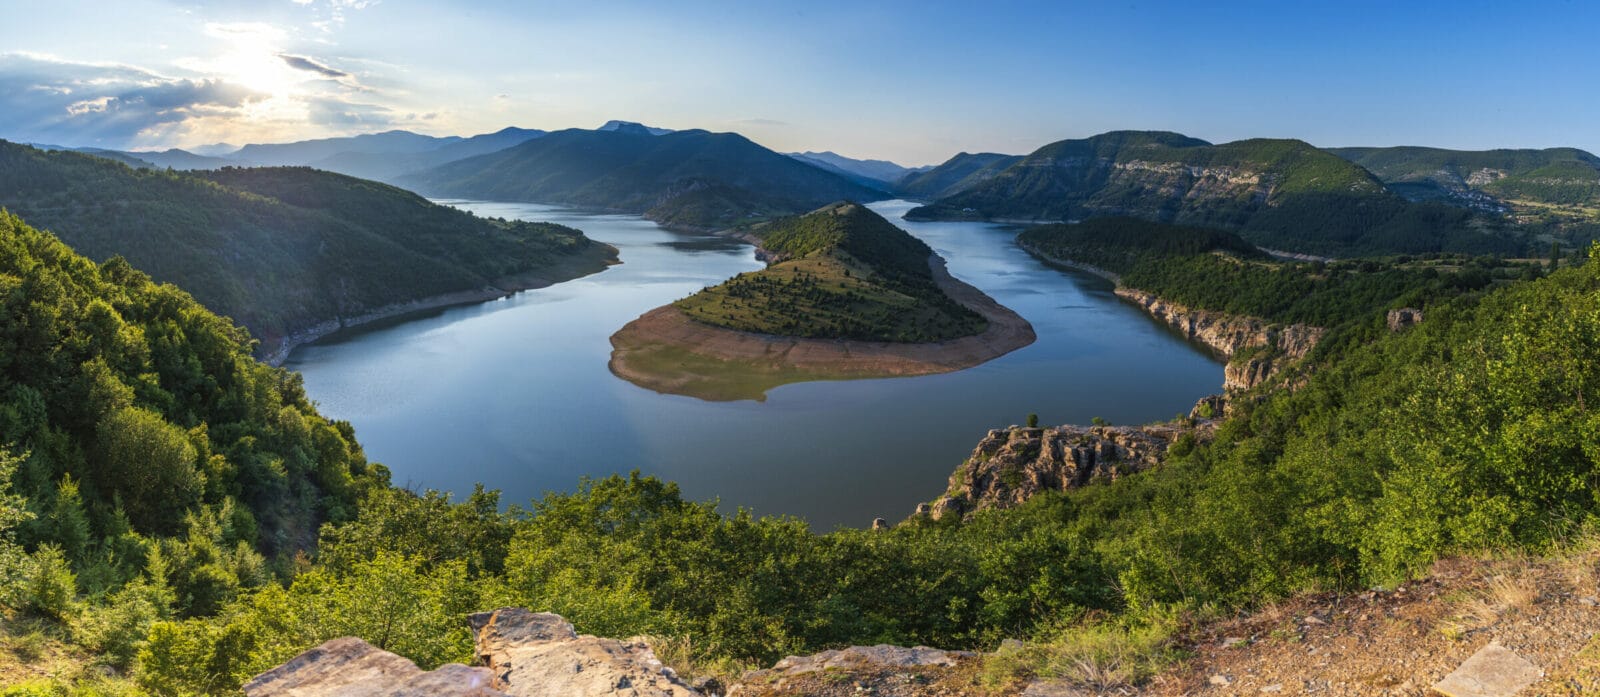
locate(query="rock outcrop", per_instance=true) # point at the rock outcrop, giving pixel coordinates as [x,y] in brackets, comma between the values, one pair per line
[522,654]
[350,667]
[1011,465]
[1404,318]
[859,663]
[1270,346]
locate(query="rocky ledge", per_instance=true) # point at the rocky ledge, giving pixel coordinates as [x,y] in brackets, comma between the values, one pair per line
[1010,465]
[1263,348]
[532,654]
[520,654]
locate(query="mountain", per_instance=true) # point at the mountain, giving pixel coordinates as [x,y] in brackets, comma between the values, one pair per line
[1281,194]
[285,250]
[633,127]
[841,272]
[305,152]
[955,175]
[1559,176]
[174,158]
[688,178]
[390,166]
[880,171]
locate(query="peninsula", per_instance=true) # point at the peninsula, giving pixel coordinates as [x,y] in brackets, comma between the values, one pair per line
[846,295]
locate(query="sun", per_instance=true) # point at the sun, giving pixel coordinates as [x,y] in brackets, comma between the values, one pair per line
[252,57]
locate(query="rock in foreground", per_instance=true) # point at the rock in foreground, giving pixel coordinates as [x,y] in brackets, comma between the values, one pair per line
[526,654]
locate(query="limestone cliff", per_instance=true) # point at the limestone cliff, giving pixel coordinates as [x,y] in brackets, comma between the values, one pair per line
[1266,347]
[1011,465]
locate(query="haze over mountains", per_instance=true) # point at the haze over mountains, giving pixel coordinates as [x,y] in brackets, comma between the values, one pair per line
[1280,193]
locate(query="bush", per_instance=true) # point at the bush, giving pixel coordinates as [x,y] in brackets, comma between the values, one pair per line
[49,588]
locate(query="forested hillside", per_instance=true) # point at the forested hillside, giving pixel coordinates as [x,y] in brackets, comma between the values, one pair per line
[280,249]
[1280,194]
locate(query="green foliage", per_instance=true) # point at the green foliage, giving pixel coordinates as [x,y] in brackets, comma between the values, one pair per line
[839,272]
[278,249]
[48,587]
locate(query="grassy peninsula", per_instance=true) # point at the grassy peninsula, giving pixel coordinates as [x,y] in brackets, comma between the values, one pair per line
[846,294]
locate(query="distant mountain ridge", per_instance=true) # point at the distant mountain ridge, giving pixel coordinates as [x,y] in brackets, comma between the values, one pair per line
[1279,193]
[1563,176]
[954,175]
[878,173]
[686,178]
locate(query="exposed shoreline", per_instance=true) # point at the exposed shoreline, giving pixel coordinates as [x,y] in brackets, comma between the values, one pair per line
[602,257]
[696,351]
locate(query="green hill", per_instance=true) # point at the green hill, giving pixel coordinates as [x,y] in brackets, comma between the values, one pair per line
[665,177]
[282,249]
[955,175]
[134,409]
[1552,176]
[1281,194]
[841,272]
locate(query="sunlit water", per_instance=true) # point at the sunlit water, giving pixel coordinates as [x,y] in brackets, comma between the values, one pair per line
[515,393]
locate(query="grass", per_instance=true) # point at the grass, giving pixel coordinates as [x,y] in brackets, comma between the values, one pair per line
[841,272]
[1095,655]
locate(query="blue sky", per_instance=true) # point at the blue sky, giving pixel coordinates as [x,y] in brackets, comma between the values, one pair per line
[911,81]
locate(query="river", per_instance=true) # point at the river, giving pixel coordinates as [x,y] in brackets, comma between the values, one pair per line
[515,393]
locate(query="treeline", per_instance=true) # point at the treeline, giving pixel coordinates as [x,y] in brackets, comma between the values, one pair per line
[1218,270]
[279,249]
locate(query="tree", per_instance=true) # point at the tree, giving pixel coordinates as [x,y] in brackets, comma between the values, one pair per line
[1555,255]
[1033,421]
[151,465]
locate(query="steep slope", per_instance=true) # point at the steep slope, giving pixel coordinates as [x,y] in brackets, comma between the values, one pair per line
[134,408]
[691,178]
[285,251]
[955,175]
[1563,176]
[1282,194]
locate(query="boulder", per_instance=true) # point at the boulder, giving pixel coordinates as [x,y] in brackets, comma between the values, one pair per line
[537,654]
[350,667]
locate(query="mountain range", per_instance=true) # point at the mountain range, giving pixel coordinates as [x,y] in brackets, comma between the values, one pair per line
[689,178]
[1278,193]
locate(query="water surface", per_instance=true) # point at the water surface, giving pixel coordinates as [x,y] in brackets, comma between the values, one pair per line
[515,393]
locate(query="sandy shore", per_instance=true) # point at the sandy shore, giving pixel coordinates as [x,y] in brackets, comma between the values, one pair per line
[666,351]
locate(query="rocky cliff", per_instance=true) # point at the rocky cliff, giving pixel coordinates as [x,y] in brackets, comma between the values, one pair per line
[1259,349]
[1013,464]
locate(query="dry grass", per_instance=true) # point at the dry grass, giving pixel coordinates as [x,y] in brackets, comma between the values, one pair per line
[690,663]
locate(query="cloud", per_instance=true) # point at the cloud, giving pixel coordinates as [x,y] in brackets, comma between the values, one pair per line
[310,65]
[76,103]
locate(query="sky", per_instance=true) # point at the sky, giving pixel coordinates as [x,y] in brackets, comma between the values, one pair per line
[914,82]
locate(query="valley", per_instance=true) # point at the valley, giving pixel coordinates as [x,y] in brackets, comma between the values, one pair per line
[517,391]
